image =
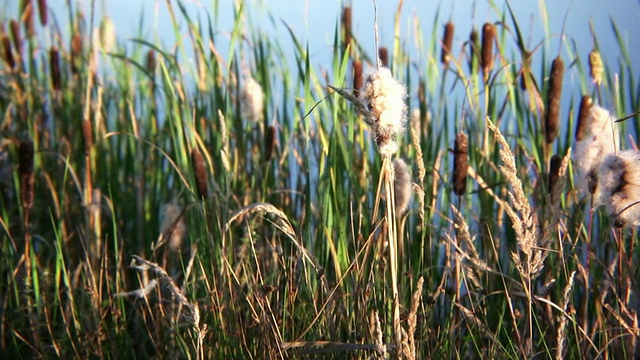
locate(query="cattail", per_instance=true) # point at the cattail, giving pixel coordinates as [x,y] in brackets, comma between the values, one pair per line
[383,55]
[54,67]
[526,70]
[554,172]
[7,52]
[486,59]
[552,114]
[346,27]
[76,51]
[473,48]
[42,12]
[151,62]
[17,38]
[595,66]
[27,17]
[357,77]
[269,142]
[583,114]
[447,42]
[402,186]
[600,140]
[87,136]
[251,100]
[619,179]
[384,97]
[25,170]
[197,161]
[107,34]
[460,163]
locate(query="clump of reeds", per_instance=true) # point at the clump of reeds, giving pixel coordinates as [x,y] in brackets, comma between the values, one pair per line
[596,67]
[583,116]
[600,139]
[486,54]
[447,43]
[460,163]
[619,181]
[200,173]
[251,100]
[552,114]
[384,97]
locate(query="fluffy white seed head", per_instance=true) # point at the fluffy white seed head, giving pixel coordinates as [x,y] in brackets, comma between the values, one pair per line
[385,97]
[601,140]
[251,100]
[619,180]
[402,186]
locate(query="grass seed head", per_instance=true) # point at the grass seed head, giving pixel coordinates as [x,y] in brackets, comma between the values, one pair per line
[619,180]
[583,115]
[486,59]
[25,171]
[596,67]
[447,42]
[460,163]
[402,186]
[251,100]
[385,97]
[552,114]
[200,172]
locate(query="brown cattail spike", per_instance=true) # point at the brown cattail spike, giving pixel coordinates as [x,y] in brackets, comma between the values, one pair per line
[447,42]
[383,55]
[151,62]
[346,27]
[87,136]
[553,100]
[7,52]
[54,67]
[583,116]
[488,38]
[25,170]
[197,161]
[554,170]
[460,163]
[269,142]
[76,52]
[358,79]
[596,67]
[42,12]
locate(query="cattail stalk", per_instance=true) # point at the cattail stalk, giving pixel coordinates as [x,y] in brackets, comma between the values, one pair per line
[460,163]
[552,114]
[447,42]
[54,67]
[486,59]
[199,170]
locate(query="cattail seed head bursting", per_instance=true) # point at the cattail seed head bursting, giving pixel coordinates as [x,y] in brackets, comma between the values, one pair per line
[600,140]
[619,180]
[251,100]
[402,185]
[385,97]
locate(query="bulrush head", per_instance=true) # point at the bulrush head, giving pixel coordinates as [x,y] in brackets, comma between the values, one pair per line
[17,38]
[596,68]
[76,51]
[384,97]
[554,172]
[583,116]
[7,52]
[42,12]
[402,186]
[473,47]
[552,114]
[383,55]
[619,180]
[460,163]
[251,100]
[486,59]
[600,140]
[151,62]
[357,77]
[87,136]
[447,43]
[200,172]
[54,67]
[346,27]
[269,142]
